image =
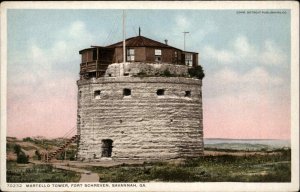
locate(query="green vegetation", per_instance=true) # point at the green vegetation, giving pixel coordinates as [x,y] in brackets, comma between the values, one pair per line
[70,154]
[224,168]
[265,164]
[19,170]
[197,72]
[28,139]
[17,149]
[165,73]
[38,174]
[38,144]
[21,156]
[240,146]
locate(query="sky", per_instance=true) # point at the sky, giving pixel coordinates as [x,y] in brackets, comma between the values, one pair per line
[245,57]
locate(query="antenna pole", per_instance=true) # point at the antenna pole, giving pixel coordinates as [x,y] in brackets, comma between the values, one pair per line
[184,33]
[124,45]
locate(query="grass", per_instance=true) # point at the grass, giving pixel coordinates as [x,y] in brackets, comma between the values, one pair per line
[225,168]
[17,173]
[270,167]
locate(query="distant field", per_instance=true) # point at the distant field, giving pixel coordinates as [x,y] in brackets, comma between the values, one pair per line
[247,144]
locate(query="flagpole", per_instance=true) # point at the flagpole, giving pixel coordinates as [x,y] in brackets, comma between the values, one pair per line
[124,47]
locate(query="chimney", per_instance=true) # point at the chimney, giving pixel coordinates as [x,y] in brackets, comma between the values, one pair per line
[139,31]
[166,41]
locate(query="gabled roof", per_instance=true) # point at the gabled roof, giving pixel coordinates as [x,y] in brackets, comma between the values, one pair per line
[140,41]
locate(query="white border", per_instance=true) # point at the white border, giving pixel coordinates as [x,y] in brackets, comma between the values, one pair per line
[207,186]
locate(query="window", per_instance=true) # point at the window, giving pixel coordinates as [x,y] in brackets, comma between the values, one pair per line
[175,57]
[187,94]
[189,59]
[160,92]
[130,54]
[106,147]
[92,74]
[126,92]
[94,54]
[97,94]
[157,55]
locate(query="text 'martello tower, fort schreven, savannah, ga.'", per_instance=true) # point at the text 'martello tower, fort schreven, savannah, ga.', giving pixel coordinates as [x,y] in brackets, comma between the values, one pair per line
[146,108]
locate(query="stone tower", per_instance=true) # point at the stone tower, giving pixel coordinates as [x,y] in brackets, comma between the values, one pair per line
[149,108]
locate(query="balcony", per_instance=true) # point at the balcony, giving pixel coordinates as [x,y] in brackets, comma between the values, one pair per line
[94,66]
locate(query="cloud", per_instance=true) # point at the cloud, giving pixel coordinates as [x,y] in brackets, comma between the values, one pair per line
[182,22]
[257,76]
[197,31]
[42,95]
[222,56]
[60,57]
[242,47]
[227,81]
[246,94]
[272,55]
[241,51]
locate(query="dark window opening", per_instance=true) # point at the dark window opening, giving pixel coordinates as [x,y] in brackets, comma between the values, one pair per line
[126,92]
[109,75]
[97,94]
[160,92]
[92,74]
[187,93]
[126,74]
[176,57]
[157,58]
[95,54]
[79,95]
[106,147]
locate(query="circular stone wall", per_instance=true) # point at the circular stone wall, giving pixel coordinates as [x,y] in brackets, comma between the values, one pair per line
[149,118]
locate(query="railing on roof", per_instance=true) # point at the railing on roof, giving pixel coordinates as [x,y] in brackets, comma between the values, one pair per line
[96,65]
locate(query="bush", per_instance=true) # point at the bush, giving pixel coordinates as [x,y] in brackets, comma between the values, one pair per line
[167,73]
[197,72]
[22,158]
[27,139]
[17,149]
